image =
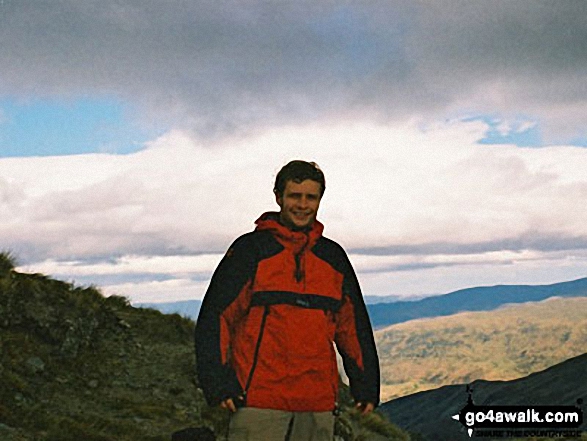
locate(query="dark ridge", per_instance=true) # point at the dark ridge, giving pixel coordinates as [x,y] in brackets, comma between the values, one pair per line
[429,413]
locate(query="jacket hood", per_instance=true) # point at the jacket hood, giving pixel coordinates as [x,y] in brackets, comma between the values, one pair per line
[290,238]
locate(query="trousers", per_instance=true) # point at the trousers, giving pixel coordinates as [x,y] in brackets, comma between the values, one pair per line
[253,424]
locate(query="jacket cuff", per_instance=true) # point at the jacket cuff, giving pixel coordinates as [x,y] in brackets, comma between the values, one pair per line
[361,393]
[221,386]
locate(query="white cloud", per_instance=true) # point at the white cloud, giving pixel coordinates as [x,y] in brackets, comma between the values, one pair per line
[389,263]
[129,265]
[420,197]
[442,278]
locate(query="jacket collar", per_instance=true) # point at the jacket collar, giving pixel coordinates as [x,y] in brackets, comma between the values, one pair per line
[297,240]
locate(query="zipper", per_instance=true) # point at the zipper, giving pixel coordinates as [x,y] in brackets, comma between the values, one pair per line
[256,354]
[298,272]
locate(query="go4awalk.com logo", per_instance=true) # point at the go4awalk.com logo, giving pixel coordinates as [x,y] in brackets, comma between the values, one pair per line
[520,421]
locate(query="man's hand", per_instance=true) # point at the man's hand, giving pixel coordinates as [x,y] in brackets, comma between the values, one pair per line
[365,407]
[228,404]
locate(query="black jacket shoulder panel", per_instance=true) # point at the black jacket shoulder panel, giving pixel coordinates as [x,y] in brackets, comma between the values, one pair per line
[239,265]
[256,245]
[236,267]
[336,256]
[332,253]
[265,244]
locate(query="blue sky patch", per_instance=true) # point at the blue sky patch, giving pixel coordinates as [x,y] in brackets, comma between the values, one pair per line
[60,127]
[522,132]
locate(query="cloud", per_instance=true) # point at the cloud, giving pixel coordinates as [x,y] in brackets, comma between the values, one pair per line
[224,67]
[140,278]
[400,198]
[192,266]
[418,188]
[545,268]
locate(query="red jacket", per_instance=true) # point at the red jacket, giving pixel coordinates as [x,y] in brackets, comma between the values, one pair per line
[275,305]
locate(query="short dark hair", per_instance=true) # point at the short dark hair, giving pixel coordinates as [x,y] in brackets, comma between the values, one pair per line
[298,171]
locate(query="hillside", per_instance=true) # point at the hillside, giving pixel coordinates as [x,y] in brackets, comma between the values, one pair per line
[75,365]
[429,413]
[484,298]
[504,344]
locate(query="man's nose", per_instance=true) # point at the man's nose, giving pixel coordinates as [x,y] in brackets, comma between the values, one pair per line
[303,202]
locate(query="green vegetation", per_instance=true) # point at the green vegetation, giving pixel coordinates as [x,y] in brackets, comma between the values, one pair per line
[7,262]
[505,344]
[75,365]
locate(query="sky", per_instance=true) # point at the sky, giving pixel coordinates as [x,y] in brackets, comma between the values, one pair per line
[138,139]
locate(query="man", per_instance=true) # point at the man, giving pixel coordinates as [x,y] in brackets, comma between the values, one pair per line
[279,299]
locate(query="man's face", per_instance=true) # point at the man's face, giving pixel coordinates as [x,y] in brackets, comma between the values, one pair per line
[299,204]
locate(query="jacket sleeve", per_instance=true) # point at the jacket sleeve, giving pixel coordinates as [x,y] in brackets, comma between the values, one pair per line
[354,341]
[225,302]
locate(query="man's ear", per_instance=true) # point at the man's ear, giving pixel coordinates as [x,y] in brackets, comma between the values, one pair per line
[278,199]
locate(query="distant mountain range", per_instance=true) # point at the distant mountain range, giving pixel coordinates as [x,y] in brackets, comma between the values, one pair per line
[429,413]
[393,311]
[471,299]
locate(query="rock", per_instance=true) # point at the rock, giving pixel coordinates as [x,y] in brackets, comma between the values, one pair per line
[6,429]
[35,365]
[79,335]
